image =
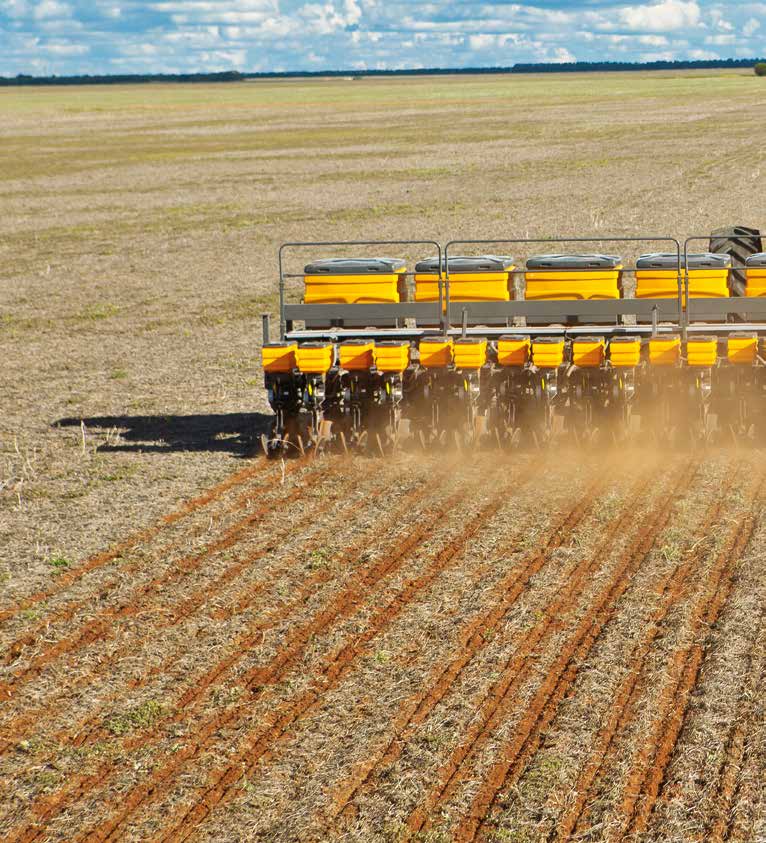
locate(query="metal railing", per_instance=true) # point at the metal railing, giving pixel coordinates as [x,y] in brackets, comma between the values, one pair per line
[330,312]
[721,308]
[578,309]
[441,315]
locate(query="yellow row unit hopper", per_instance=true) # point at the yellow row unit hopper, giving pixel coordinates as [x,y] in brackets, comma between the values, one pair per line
[355,281]
[562,277]
[483,278]
[657,275]
[755,275]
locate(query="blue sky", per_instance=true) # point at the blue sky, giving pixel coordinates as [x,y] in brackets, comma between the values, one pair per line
[128,36]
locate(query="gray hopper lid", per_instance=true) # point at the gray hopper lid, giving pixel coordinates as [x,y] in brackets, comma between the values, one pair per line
[479,263]
[669,260]
[355,266]
[594,261]
[756,260]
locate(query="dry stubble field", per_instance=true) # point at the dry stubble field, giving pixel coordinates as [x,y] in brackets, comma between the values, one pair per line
[196,644]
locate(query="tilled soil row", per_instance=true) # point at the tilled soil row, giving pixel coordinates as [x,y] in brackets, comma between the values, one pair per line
[683,670]
[192,694]
[90,728]
[104,623]
[140,537]
[472,639]
[724,824]
[366,577]
[330,670]
[515,754]
[674,589]
[353,720]
[71,595]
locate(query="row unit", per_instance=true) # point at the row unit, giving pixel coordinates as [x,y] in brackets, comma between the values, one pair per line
[468,353]
[548,277]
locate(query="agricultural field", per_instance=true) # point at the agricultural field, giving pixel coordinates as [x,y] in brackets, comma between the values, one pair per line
[200,644]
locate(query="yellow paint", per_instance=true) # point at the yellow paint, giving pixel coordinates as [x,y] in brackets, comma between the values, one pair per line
[279,357]
[548,354]
[560,285]
[742,349]
[664,351]
[512,351]
[588,353]
[392,357]
[351,289]
[355,356]
[466,286]
[471,354]
[702,351]
[755,281]
[436,352]
[663,283]
[625,353]
[315,358]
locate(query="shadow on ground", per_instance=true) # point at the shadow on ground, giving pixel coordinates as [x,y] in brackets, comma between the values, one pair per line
[236,433]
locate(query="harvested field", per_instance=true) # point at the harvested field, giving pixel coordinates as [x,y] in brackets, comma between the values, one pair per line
[199,644]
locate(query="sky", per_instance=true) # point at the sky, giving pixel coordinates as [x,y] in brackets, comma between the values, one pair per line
[43,37]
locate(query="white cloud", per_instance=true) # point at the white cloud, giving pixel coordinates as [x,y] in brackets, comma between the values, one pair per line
[661,17]
[665,55]
[65,49]
[701,55]
[15,8]
[51,9]
[561,55]
[189,35]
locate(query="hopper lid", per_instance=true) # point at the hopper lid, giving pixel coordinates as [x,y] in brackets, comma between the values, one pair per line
[479,263]
[355,266]
[593,261]
[758,259]
[669,260]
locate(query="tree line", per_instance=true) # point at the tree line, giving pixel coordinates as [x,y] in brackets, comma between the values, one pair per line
[23,79]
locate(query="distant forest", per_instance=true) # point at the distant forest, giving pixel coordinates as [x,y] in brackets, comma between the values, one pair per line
[234,76]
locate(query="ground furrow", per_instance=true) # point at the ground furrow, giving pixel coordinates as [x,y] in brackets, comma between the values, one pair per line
[66,613]
[91,727]
[543,707]
[675,588]
[141,537]
[343,604]
[515,669]
[720,827]
[221,784]
[651,760]
[102,625]
[473,637]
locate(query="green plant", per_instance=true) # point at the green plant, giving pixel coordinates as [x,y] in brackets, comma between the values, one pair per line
[140,717]
[760,68]
[58,562]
